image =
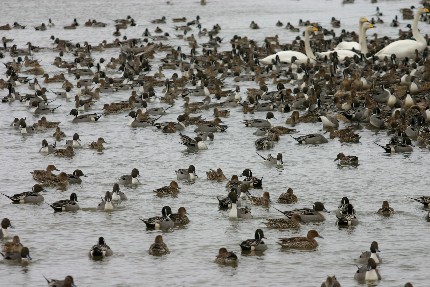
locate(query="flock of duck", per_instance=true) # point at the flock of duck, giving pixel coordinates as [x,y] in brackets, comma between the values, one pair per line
[382,85]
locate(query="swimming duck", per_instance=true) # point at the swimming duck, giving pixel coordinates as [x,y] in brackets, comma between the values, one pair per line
[309,215]
[284,223]
[425,200]
[346,160]
[23,256]
[106,203]
[370,254]
[74,142]
[226,257]
[256,244]
[158,248]
[100,250]
[172,189]
[288,197]
[347,218]
[311,139]
[260,123]
[130,179]
[187,174]
[225,203]
[75,177]
[117,194]
[65,152]
[84,118]
[181,217]
[235,211]
[98,145]
[66,204]
[47,148]
[368,273]
[331,281]
[33,196]
[160,222]
[67,282]
[396,147]
[250,180]
[60,181]
[386,210]
[264,200]
[217,175]
[195,144]
[301,243]
[234,182]
[5,224]
[13,246]
[58,134]
[272,160]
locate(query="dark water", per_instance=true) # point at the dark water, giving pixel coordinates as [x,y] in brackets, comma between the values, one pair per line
[59,243]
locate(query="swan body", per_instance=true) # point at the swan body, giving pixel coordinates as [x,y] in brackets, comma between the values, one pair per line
[353,45]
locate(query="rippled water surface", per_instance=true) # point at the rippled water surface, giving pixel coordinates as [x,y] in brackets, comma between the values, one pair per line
[59,242]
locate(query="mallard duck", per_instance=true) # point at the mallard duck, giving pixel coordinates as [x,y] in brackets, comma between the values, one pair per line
[302,243]
[256,244]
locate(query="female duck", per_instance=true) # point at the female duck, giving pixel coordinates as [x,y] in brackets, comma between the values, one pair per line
[370,254]
[33,196]
[263,200]
[42,175]
[256,244]
[160,222]
[23,256]
[158,248]
[66,204]
[13,246]
[331,281]
[301,243]
[368,273]
[67,282]
[386,210]
[181,217]
[288,197]
[226,257]
[130,179]
[100,250]
[284,223]
[5,224]
[172,189]
[217,175]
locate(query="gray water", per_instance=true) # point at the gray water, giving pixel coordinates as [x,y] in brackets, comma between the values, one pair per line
[59,242]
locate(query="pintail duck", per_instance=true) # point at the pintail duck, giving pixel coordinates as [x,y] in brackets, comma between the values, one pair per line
[160,222]
[284,223]
[195,144]
[264,200]
[59,134]
[187,174]
[368,273]
[347,217]
[256,244]
[13,246]
[271,160]
[172,189]
[67,282]
[106,203]
[5,224]
[33,196]
[66,204]
[396,147]
[98,145]
[217,175]
[251,180]
[311,139]
[221,113]
[181,217]
[130,179]
[67,152]
[260,123]
[100,250]
[331,281]
[24,129]
[235,211]
[22,256]
[47,148]
[288,197]
[234,182]
[211,126]
[42,175]
[370,254]
[117,194]
[158,248]
[44,123]
[139,120]
[386,210]
[226,257]
[309,215]
[301,243]
[346,160]
[75,177]
[84,118]
[329,121]
[425,200]
[61,181]
[74,142]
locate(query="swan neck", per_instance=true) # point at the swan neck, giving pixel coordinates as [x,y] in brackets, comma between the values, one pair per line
[416,34]
[362,40]
[360,35]
[308,49]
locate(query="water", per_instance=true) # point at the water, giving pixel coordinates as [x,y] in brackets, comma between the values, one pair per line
[59,242]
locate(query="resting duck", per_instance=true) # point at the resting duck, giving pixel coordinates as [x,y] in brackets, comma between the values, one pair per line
[67,282]
[368,273]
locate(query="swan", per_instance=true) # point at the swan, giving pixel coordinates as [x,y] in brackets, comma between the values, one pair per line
[406,48]
[342,54]
[353,45]
[285,56]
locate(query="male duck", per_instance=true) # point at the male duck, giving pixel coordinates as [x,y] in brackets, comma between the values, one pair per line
[106,203]
[100,250]
[235,212]
[66,204]
[5,224]
[32,196]
[311,139]
[117,194]
[370,254]
[160,222]
[75,177]
[23,256]
[309,215]
[368,273]
[187,174]
[130,179]
[346,160]
[256,244]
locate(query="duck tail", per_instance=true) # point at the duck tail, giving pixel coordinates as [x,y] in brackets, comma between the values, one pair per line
[297,139]
[46,279]
[7,196]
[279,210]
[53,207]
[53,109]
[261,156]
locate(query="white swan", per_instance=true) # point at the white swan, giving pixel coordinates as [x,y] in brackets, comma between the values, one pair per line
[343,54]
[285,56]
[406,48]
[353,45]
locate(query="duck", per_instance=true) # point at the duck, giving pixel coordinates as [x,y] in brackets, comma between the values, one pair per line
[264,200]
[85,117]
[225,257]
[217,175]
[286,56]
[260,123]
[23,256]
[65,152]
[5,224]
[368,273]
[284,223]
[47,148]
[331,281]
[14,246]
[130,179]
[188,174]
[66,204]
[32,196]
[58,134]
[288,197]
[106,203]
[425,200]
[172,189]
[160,222]
[386,210]
[67,282]
[346,160]
[250,180]
[181,217]
[406,48]
[272,160]
[75,177]
[396,147]
[237,211]
[329,121]
[158,248]
[42,175]
[98,145]
[311,139]
[347,217]
[353,45]
[315,214]
[100,250]
[193,145]
[117,194]
[301,243]
[370,254]
[256,244]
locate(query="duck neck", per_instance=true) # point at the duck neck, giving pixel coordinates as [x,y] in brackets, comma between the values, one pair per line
[308,49]
[233,211]
[416,34]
